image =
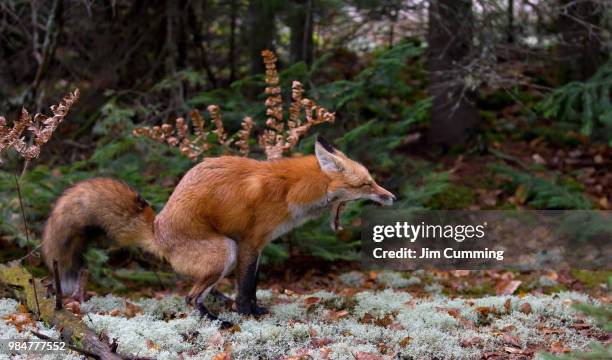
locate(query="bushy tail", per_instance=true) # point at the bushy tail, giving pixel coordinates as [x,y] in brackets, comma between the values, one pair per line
[99,204]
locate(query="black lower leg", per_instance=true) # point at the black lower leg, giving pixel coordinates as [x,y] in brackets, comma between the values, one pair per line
[247,287]
[257,310]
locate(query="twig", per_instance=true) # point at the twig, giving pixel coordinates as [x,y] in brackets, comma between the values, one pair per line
[35,298]
[58,286]
[25,221]
[74,348]
[29,253]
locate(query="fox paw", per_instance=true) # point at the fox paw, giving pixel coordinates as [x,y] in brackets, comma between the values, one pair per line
[260,310]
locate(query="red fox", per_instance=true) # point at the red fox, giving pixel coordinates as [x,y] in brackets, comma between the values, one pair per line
[220,216]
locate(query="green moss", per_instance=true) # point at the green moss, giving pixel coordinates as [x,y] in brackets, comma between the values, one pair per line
[453,197]
[592,279]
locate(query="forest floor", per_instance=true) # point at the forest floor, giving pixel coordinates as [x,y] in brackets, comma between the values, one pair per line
[323,314]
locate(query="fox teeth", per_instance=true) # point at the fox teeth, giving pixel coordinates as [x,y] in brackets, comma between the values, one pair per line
[335,215]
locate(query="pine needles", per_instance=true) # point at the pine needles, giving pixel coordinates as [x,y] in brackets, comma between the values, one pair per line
[282,132]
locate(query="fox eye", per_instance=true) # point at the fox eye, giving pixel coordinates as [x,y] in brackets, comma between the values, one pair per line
[366,184]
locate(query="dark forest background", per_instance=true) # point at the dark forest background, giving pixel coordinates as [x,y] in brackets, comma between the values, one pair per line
[453,104]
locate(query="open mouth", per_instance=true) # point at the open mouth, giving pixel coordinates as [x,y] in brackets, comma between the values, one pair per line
[336,212]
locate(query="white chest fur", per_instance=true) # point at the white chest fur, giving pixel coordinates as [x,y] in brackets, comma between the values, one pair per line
[299,214]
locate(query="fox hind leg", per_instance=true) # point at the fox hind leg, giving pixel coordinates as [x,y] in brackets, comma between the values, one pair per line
[208,261]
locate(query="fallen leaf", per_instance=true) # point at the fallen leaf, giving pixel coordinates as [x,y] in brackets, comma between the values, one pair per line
[491,355]
[367,356]
[73,306]
[234,329]
[512,350]
[580,326]
[320,342]
[557,347]
[460,273]
[222,356]
[405,341]
[312,300]
[396,326]
[152,345]
[526,308]
[340,314]
[472,341]
[507,287]
[216,340]
[20,320]
[520,195]
[512,340]
[508,306]
[131,310]
[484,310]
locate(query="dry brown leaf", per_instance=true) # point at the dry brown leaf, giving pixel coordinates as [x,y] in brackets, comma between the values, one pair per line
[520,195]
[472,341]
[223,356]
[312,300]
[405,341]
[73,306]
[152,345]
[234,329]
[507,287]
[580,326]
[512,350]
[131,310]
[20,320]
[367,356]
[320,342]
[512,340]
[526,308]
[557,347]
[508,306]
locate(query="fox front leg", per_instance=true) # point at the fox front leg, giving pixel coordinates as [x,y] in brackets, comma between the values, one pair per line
[246,300]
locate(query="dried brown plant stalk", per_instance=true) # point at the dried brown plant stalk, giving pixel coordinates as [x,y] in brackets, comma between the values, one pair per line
[281,134]
[40,127]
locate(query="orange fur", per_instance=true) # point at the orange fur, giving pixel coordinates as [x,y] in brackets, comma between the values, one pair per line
[222,213]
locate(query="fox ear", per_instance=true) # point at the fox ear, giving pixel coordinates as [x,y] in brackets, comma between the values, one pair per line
[326,155]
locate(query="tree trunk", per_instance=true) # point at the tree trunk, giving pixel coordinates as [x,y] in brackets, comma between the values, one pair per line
[232,41]
[580,50]
[510,29]
[453,115]
[262,30]
[301,24]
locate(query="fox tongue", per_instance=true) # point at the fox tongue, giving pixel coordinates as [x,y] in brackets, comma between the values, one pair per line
[337,208]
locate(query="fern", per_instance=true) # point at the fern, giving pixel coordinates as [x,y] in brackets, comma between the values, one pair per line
[543,193]
[587,103]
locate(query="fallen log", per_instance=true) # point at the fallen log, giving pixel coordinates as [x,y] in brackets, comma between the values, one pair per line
[32,293]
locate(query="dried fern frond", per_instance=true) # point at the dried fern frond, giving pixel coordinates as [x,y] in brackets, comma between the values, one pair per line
[41,128]
[280,136]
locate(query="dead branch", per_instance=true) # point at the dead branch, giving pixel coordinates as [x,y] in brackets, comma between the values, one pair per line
[71,328]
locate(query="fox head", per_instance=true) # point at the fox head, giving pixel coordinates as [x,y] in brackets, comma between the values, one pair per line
[349,180]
